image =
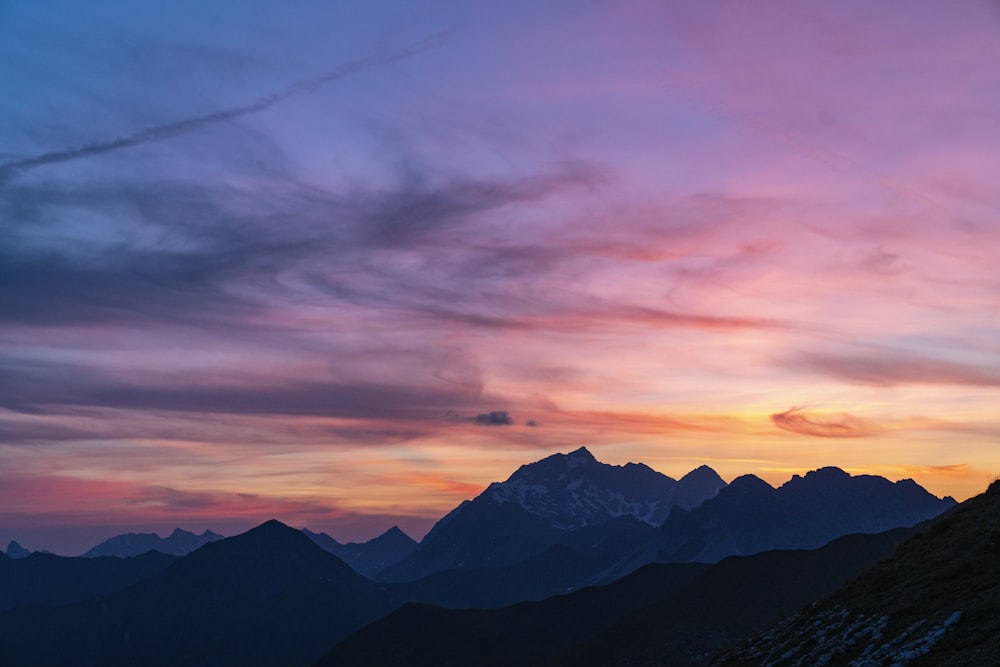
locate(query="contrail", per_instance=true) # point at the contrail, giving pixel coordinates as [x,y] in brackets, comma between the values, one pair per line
[168,130]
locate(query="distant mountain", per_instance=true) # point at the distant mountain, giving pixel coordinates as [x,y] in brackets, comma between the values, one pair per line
[45,579]
[663,614]
[371,557]
[179,543]
[266,597]
[935,602]
[750,516]
[15,550]
[543,504]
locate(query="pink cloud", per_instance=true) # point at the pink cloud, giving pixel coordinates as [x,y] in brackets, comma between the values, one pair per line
[842,425]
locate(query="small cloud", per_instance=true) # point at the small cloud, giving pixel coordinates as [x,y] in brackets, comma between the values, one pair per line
[532,423]
[842,425]
[495,418]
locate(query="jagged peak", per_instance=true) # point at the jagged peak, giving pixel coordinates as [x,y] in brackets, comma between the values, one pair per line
[703,472]
[396,531]
[268,534]
[559,461]
[394,534]
[15,550]
[823,474]
[271,527]
[750,482]
[581,455]
[828,472]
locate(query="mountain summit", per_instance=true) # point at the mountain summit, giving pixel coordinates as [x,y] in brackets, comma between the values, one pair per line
[561,499]
[576,490]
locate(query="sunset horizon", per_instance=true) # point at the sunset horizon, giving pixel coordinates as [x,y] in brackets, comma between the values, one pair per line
[345,266]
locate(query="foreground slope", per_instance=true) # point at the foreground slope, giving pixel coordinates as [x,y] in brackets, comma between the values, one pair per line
[935,602]
[266,597]
[673,614]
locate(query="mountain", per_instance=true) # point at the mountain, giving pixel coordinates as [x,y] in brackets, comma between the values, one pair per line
[696,487]
[15,550]
[371,557]
[750,516]
[543,504]
[46,579]
[179,543]
[574,490]
[267,597]
[670,614]
[935,602]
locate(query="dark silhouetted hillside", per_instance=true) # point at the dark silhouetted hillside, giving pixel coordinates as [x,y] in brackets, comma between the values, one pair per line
[671,614]
[266,597]
[591,557]
[523,634]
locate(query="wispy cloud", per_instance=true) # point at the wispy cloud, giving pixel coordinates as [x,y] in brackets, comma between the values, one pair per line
[840,425]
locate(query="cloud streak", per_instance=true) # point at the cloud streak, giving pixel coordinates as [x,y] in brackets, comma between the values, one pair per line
[841,425]
[15,168]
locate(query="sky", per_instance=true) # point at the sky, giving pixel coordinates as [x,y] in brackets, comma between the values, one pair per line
[344,264]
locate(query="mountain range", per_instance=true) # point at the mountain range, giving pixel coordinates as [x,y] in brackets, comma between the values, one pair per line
[670,614]
[548,503]
[573,501]
[614,542]
[178,543]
